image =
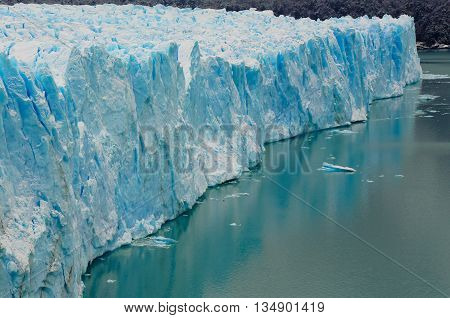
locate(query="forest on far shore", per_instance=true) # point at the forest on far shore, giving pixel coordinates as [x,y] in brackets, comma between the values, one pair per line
[432,17]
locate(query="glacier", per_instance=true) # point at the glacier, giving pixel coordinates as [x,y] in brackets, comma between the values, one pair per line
[92,99]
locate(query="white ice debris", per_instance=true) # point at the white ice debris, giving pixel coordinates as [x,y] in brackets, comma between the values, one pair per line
[154,241]
[427,97]
[428,76]
[335,168]
[345,131]
[236,195]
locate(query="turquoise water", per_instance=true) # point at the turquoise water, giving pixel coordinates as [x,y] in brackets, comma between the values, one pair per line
[287,229]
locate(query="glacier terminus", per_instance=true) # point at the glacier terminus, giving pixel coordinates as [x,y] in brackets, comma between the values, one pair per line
[89,95]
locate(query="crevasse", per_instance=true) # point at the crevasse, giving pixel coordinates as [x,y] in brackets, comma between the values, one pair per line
[92,97]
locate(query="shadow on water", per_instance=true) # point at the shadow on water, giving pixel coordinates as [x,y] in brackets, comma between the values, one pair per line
[251,237]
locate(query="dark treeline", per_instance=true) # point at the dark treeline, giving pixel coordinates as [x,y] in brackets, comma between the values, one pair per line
[431,16]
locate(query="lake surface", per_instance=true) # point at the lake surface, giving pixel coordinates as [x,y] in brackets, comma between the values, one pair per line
[290,230]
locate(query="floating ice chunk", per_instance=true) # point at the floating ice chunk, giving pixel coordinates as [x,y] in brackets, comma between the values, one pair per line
[236,195]
[233,181]
[428,76]
[154,241]
[420,112]
[427,97]
[235,224]
[111,281]
[399,176]
[335,168]
[345,132]
[369,181]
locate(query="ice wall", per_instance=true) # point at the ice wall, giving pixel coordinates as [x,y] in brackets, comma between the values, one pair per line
[92,99]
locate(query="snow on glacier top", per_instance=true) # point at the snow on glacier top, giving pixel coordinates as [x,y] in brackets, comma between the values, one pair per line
[33,34]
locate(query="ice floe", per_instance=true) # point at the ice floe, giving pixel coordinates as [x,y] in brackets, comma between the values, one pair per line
[428,76]
[154,241]
[335,168]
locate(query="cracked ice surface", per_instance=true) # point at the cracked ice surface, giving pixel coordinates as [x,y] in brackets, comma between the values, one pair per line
[80,88]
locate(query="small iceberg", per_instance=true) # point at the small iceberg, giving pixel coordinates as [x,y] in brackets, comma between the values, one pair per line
[235,224]
[111,281]
[434,76]
[420,112]
[345,132]
[236,195]
[154,241]
[234,181]
[335,168]
[427,97]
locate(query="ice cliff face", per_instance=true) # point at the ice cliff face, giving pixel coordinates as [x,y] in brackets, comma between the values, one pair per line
[92,100]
